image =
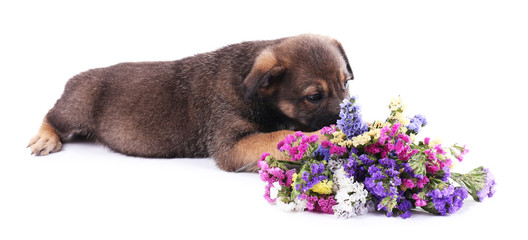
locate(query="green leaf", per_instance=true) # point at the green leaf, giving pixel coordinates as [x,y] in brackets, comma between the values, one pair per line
[474,181]
[417,163]
[389,202]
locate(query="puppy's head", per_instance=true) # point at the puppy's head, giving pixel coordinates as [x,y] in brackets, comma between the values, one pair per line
[303,78]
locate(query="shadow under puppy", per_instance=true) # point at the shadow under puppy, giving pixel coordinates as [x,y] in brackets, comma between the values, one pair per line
[231,104]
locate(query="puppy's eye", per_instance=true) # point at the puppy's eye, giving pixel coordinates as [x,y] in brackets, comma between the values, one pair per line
[314,97]
[347,83]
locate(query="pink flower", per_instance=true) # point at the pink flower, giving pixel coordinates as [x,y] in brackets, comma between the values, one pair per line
[338,150]
[431,168]
[303,147]
[310,203]
[289,177]
[414,151]
[390,146]
[293,151]
[409,183]
[419,202]
[267,193]
[275,175]
[395,128]
[430,154]
[463,152]
[325,206]
[405,155]
[439,149]
[426,140]
[383,135]
[421,182]
[313,139]
[263,157]
[328,130]
[446,163]
[398,148]
[373,148]
[315,204]
[290,139]
[327,144]
[405,138]
[299,134]
[264,175]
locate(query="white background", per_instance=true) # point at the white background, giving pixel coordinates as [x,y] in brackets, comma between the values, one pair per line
[462,64]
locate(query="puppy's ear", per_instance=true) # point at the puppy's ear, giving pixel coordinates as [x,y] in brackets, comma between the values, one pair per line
[265,68]
[342,51]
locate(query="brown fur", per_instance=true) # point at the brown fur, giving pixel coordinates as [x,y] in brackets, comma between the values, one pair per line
[231,104]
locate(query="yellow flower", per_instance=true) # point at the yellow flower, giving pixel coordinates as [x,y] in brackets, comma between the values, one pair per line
[339,136]
[379,124]
[346,143]
[336,140]
[396,104]
[435,142]
[294,178]
[361,139]
[323,187]
[413,137]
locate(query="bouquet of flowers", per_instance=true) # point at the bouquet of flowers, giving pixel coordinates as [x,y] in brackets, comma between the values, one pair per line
[362,167]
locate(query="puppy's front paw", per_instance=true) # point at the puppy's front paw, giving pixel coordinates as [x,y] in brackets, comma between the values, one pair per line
[45,142]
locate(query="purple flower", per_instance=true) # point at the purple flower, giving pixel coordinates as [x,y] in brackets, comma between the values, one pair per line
[364,158]
[404,206]
[489,189]
[416,123]
[387,162]
[375,188]
[448,200]
[447,173]
[373,169]
[350,121]
[317,168]
[312,177]
[322,153]
[378,175]
[479,181]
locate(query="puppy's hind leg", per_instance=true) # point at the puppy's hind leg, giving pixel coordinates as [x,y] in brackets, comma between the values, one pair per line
[46,141]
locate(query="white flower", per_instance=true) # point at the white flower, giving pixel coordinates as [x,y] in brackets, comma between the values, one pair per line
[351,196]
[297,205]
[274,190]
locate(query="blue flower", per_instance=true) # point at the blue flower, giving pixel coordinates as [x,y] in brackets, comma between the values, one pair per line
[351,123]
[387,162]
[416,123]
[404,206]
[447,173]
[448,200]
[317,168]
[489,189]
[313,177]
[322,153]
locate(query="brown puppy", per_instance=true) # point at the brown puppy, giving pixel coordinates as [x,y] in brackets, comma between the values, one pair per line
[231,104]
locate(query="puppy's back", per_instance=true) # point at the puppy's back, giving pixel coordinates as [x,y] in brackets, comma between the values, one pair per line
[157,109]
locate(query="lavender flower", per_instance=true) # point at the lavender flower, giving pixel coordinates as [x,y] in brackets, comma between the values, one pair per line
[416,123]
[311,174]
[322,153]
[447,200]
[387,172]
[351,123]
[479,181]
[489,189]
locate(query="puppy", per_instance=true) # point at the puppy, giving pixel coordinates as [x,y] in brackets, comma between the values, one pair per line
[231,104]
